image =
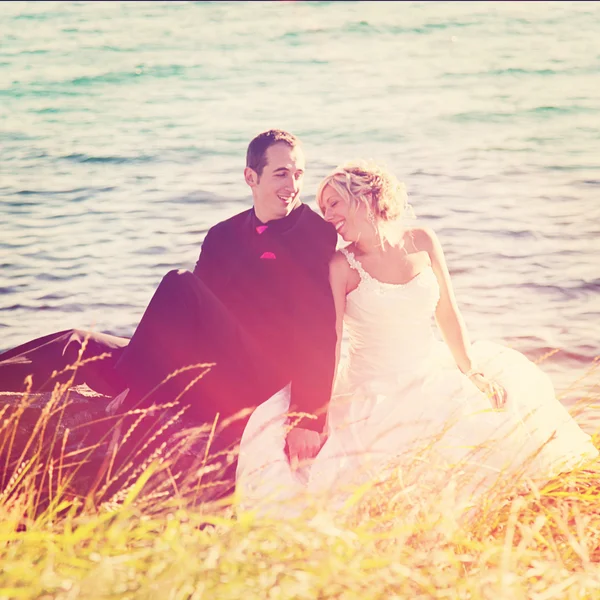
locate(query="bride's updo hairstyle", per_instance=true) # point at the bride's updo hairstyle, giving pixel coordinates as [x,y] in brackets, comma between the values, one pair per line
[362,182]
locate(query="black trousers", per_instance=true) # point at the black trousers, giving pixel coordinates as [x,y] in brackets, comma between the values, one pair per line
[42,356]
[185,325]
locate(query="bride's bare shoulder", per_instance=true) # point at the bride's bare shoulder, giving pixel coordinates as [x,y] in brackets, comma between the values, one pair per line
[341,276]
[339,261]
[341,265]
[421,238]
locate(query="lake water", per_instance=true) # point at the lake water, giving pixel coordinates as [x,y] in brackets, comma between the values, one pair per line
[124,126]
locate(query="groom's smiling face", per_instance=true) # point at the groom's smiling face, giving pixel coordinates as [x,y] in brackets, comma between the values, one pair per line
[276,190]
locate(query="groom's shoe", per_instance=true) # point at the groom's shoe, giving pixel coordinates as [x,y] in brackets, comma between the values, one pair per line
[114,406]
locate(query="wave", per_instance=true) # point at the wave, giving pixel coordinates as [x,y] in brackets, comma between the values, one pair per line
[521,72]
[538,111]
[64,192]
[537,349]
[73,307]
[159,71]
[82,157]
[573,290]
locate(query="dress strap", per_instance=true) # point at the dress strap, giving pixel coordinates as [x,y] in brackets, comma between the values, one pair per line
[354,263]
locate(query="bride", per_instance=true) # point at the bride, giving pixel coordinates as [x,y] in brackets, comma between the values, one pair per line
[480,410]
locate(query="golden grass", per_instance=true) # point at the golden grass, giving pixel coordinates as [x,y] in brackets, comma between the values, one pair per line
[144,529]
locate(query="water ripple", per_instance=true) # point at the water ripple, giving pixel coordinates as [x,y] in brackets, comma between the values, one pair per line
[120,150]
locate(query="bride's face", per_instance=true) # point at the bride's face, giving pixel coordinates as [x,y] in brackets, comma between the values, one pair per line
[349,221]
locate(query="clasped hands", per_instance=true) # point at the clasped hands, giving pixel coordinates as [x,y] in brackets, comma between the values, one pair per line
[302,445]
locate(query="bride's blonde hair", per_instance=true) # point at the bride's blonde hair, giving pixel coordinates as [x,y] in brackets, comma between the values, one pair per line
[376,188]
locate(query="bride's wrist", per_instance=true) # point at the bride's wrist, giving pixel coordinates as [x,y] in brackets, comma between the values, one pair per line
[472,372]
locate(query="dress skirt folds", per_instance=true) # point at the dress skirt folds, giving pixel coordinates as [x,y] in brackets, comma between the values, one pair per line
[400,400]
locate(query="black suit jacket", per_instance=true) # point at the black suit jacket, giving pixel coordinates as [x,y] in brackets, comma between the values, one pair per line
[275,281]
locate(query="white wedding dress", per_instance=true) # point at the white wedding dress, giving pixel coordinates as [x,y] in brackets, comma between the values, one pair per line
[400,396]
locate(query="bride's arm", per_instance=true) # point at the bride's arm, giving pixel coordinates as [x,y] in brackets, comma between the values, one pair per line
[338,278]
[447,314]
[450,320]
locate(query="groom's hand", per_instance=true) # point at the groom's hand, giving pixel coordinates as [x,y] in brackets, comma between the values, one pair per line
[302,444]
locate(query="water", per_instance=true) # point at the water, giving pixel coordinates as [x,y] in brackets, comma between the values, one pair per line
[124,126]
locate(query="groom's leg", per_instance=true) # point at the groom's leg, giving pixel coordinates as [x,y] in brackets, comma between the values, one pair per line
[186,324]
[52,353]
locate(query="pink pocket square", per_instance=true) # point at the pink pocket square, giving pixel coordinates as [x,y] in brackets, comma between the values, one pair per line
[268,255]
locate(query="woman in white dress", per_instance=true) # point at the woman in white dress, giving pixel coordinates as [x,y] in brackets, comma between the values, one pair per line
[480,411]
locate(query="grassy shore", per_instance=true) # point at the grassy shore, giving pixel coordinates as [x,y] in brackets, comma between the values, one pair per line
[156,535]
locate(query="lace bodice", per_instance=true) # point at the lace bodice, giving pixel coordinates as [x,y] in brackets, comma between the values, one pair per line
[389,326]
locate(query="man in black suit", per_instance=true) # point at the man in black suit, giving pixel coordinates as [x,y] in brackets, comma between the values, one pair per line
[258,305]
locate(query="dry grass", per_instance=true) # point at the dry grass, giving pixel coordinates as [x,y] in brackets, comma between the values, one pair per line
[142,528]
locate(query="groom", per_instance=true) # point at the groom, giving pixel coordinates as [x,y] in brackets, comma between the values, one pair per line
[258,305]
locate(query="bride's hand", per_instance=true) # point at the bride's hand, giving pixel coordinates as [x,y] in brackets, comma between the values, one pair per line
[494,391]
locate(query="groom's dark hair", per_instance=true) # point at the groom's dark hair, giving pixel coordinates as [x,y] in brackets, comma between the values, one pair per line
[256,156]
